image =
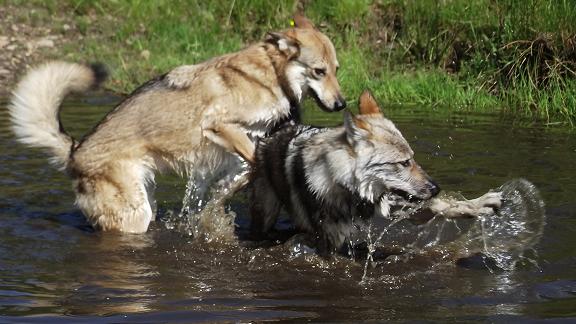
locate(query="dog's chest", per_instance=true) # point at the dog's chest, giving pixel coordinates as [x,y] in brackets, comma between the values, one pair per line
[266,116]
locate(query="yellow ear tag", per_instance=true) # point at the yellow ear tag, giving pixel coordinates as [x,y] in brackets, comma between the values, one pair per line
[291,22]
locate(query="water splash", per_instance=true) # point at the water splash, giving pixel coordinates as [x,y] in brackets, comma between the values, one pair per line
[216,221]
[195,198]
[502,238]
[372,245]
[204,213]
[517,227]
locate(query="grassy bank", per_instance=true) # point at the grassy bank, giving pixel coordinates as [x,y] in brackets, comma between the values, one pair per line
[517,56]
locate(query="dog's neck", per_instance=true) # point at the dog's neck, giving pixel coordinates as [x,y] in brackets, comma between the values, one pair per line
[290,74]
[330,164]
[295,85]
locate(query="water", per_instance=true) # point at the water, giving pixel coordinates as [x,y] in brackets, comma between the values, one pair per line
[53,267]
[502,238]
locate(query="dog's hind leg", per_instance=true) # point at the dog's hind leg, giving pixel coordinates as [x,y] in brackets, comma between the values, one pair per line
[264,207]
[116,200]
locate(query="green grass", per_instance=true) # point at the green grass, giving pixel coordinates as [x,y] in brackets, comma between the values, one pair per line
[517,56]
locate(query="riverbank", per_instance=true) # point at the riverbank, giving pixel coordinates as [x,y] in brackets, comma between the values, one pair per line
[510,56]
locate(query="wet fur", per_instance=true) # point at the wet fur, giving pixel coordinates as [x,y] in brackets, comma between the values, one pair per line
[327,179]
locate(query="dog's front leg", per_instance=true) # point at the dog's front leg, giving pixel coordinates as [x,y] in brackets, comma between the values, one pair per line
[483,205]
[451,208]
[233,138]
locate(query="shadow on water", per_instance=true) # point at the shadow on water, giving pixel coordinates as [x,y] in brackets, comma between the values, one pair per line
[53,267]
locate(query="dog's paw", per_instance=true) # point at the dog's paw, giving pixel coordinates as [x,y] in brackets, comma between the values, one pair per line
[487,204]
[490,200]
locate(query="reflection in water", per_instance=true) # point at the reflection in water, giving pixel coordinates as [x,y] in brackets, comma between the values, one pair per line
[111,277]
[500,294]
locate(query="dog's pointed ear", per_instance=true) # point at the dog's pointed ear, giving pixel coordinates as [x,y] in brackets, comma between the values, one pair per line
[356,129]
[300,21]
[367,104]
[287,44]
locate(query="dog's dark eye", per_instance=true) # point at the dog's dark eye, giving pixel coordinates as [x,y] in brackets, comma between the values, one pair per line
[320,72]
[405,163]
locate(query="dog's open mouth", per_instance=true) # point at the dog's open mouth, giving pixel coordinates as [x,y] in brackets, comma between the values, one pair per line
[406,196]
[319,102]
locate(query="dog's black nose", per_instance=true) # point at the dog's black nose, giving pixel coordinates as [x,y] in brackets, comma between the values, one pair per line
[434,188]
[339,104]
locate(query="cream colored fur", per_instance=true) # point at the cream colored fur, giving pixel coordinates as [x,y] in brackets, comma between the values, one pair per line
[35,104]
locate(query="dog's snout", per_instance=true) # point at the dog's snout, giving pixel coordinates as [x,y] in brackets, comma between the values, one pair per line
[434,188]
[339,104]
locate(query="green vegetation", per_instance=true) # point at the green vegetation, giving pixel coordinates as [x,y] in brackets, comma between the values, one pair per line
[492,55]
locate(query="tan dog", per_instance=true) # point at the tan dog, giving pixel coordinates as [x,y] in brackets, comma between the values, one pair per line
[189,119]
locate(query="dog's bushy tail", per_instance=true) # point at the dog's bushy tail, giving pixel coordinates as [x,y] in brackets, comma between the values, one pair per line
[35,105]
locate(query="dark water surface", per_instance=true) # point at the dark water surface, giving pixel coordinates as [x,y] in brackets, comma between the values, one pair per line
[53,267]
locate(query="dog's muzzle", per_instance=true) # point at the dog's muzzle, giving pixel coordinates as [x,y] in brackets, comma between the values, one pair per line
[406,196]
[434,188]
[339,104]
